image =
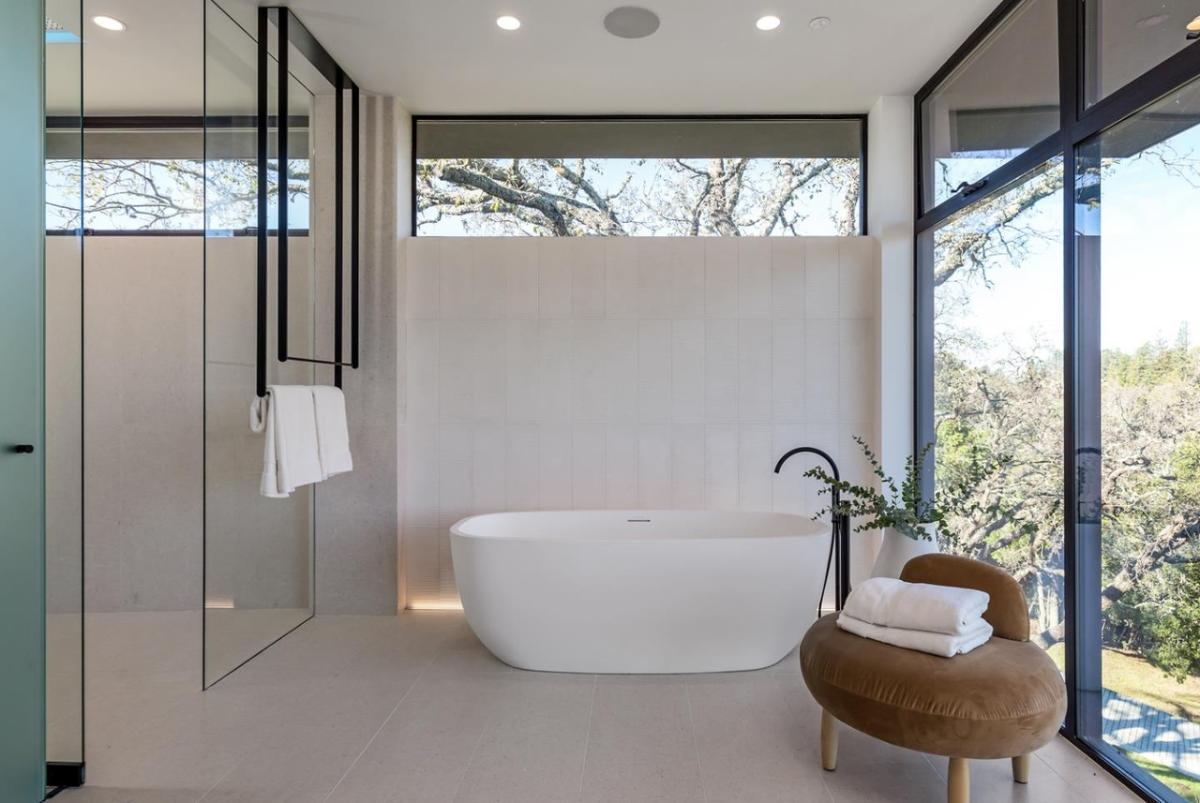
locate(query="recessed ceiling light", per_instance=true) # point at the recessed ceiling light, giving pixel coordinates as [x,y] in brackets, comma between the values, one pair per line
[1194,25]
[768,22]
[508,23]
[1151,22]
[817,23]
[109,23]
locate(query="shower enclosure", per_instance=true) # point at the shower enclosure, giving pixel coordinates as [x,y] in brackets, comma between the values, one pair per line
[186,209]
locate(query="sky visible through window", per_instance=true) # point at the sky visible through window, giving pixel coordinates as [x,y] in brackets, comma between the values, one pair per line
[1146,297]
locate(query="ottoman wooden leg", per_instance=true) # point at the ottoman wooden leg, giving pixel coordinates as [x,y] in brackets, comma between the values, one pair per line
[1021,768]
[829,741]
[958,786]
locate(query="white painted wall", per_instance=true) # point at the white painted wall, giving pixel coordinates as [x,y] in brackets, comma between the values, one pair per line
[626,373]
[890,219]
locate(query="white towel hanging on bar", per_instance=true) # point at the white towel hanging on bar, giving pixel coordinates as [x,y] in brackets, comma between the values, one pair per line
[291,455]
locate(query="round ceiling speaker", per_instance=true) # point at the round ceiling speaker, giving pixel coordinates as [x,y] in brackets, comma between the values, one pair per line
[631,22]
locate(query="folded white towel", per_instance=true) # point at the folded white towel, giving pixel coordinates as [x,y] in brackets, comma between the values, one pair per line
[290,455]
[943,644]
[333,436]
[889,602]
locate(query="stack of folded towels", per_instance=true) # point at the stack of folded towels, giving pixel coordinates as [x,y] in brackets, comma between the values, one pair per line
[940,620]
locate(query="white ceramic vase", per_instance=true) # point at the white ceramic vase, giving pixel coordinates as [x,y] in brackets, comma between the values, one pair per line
[898,549]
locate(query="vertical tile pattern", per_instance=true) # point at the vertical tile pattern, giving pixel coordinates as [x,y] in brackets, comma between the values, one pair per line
[623,373]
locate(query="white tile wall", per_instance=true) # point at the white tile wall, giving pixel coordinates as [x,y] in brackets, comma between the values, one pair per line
[626,372]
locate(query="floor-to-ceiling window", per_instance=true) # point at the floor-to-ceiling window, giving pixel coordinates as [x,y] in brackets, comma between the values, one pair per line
[997,379]
[1137,198]
[1057,372]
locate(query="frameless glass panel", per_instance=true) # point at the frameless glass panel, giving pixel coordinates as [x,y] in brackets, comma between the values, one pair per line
[64,382]
[1001,100]
[998,384]
[258,550]
[1124,39]
[627,177]
[1137,204]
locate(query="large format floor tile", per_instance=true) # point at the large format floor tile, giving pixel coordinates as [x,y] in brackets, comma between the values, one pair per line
[412,708]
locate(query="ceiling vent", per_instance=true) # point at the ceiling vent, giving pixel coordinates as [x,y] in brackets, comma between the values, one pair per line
[631,22]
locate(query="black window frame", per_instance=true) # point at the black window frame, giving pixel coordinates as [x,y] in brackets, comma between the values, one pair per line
[1081,547]
[861,119]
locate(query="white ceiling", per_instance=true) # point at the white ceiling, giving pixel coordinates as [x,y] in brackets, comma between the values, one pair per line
[448,56]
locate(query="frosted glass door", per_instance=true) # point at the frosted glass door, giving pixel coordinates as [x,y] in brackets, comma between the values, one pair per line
[22,601]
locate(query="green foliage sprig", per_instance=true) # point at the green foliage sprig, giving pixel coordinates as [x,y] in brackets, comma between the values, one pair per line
[902,506]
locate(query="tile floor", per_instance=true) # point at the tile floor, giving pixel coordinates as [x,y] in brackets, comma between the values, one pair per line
[413,708]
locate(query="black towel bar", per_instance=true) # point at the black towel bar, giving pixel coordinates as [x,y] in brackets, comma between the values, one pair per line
[292,32]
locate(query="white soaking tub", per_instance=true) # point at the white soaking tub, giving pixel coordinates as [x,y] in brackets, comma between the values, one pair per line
[639,591]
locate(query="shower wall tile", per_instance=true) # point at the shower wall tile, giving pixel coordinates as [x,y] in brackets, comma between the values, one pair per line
[555,271]
[423,383]
[721,466]
[755,460]
[754,366]
[754,278]
[687,371]
[521,467]
[654,466]
[687,466]
[822,355]
[721,370]
[688,284]
[858,298]
[787,277]
[423,293]
[554,465]
[654,371]
[423,459]
[588,460]
[589,280]
[143,427]
[627,373]
[621,467]
[522,375]
[656,276]
[519,266]
[821,284]
[789,379]
[622,279]
[721,278]
[557,375]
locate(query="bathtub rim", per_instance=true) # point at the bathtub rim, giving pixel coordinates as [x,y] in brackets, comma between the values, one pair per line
[821,529]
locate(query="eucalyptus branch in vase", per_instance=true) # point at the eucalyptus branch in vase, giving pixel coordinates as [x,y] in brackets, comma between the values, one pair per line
[902,507]
[899,506]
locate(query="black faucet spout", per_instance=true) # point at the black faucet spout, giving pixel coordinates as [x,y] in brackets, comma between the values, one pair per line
[839,543]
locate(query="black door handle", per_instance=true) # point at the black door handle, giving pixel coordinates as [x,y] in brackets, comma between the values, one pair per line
[22,448]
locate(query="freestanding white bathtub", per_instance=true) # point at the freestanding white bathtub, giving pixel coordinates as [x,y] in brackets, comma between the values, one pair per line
[639,591]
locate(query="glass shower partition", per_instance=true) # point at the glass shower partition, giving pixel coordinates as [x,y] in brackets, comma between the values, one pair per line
[64,397]
[258,551]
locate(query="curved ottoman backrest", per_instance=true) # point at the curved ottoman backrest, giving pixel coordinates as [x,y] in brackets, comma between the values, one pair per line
[1007,612]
